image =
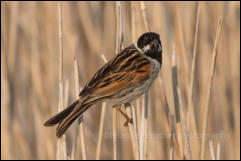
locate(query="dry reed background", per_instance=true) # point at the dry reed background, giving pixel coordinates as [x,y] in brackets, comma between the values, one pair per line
[30,74]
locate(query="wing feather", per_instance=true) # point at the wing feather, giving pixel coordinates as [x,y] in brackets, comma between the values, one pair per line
[126,70]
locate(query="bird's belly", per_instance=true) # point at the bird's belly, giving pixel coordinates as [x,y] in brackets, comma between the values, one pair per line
[131,94]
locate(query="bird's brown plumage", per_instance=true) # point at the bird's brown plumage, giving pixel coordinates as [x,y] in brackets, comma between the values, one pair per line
[114,77]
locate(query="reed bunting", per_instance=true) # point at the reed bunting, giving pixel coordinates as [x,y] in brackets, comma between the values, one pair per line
[124,78]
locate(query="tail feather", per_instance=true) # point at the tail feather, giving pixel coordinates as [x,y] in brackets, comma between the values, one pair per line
[60,116]
[68,120]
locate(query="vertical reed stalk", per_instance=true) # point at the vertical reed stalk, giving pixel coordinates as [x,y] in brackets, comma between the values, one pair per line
[60,42]
[190,108]
[212,151]
[209,87]
[82,137]
[174,83]
[144,17]
[79,123]
[102,120]
[114,132]
[172,137]
[186,147]
[13,36]
[66,93]
[100,134]
[61,143]
[176,111]
[133,19]
[164,97]
[218,151]
[180,41]
[5,102]
[143,130]
[132,131]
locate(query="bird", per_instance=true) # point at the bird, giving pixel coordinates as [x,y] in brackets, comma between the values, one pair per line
[124,78]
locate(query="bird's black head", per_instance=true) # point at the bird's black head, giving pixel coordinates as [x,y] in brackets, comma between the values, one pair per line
[150,44]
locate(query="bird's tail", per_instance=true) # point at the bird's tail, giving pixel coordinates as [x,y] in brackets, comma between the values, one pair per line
[67,117]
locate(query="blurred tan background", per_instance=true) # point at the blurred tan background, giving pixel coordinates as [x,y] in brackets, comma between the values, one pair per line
[30,64]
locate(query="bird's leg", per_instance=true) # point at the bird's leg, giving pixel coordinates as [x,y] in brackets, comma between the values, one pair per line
[128,120]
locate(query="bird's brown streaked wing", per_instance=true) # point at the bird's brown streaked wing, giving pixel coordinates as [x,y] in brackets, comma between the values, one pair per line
[126,70]
[107,69]
[127,80]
